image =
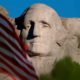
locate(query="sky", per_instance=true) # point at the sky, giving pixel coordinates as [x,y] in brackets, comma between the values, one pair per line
[65,8]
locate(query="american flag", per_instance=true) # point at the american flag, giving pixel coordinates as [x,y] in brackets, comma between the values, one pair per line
[13,59]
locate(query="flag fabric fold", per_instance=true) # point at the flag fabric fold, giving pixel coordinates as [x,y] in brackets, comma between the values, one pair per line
[13,59]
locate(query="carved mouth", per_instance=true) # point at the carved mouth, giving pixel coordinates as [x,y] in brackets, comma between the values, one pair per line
[35,54]
[32,54]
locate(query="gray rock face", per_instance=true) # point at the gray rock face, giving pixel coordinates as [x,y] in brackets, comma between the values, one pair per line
[72,25]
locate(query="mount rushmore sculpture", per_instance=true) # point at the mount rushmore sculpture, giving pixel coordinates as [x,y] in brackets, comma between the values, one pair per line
[49,38]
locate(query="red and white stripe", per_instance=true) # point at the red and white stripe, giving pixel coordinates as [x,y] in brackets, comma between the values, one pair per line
[13,58]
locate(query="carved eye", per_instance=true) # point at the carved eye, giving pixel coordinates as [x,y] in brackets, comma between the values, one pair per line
[45,25]
[27,26]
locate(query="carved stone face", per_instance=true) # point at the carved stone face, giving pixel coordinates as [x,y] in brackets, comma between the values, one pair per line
[38,32]
[42,30]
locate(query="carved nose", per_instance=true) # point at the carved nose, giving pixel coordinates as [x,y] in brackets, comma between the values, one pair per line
[31,34]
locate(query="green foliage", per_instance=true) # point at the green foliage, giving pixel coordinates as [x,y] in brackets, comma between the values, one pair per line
[46,77]
[64,69]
